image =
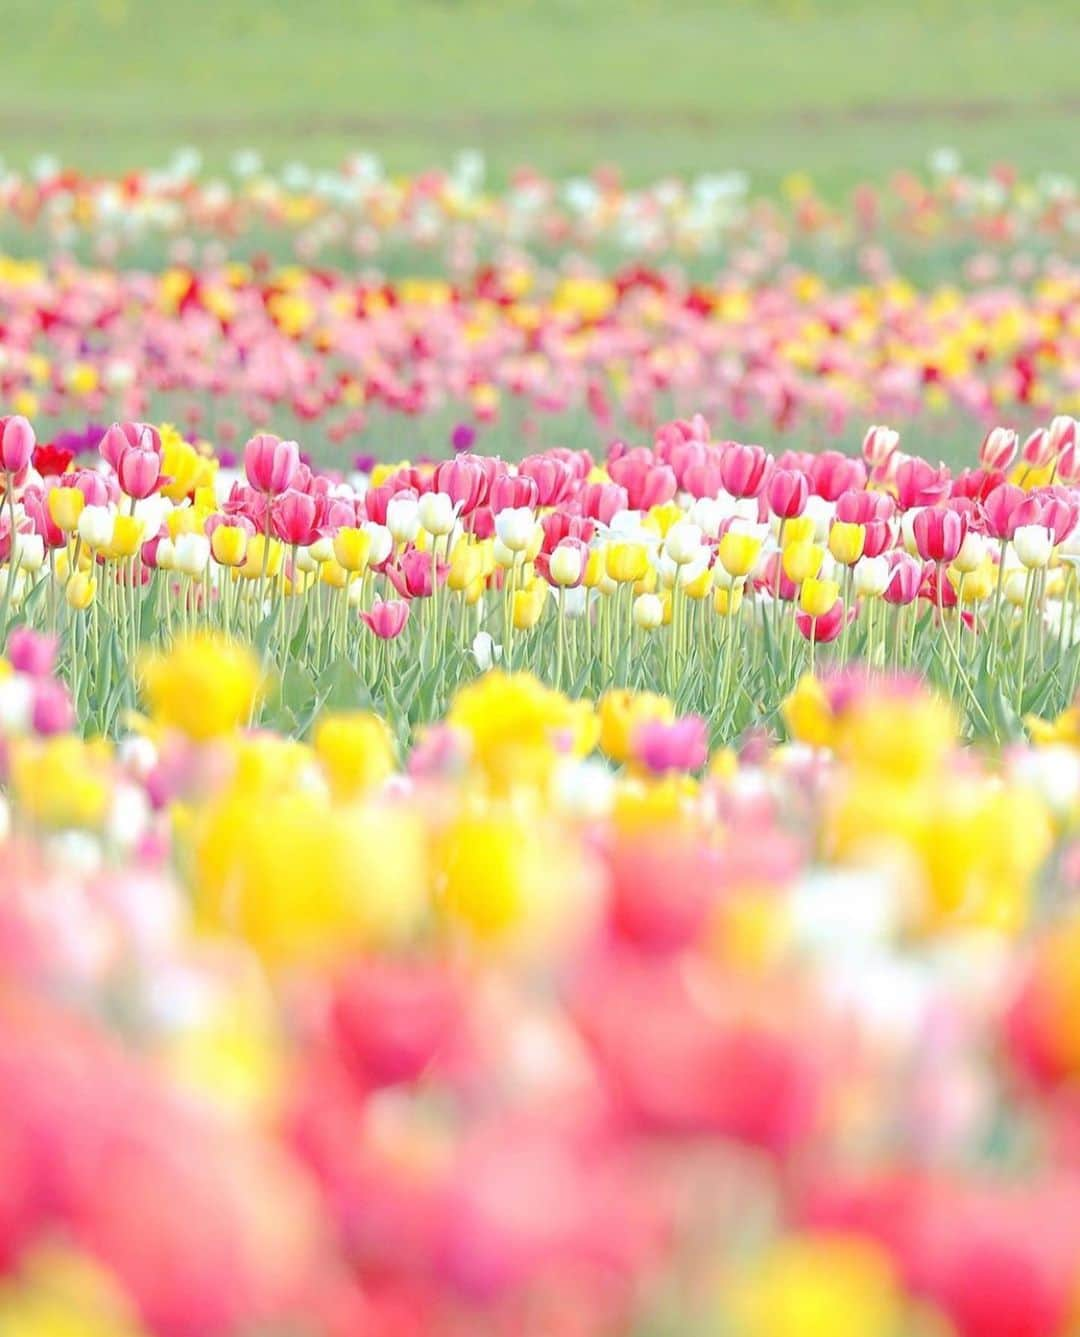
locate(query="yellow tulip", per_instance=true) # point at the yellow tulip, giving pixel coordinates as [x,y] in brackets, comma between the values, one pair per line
[65,506]
[229,545]
[352,547]
[356,751]
[738,552]
[622,713]
[817,596]
[80,591]
[802,561]
[205,686]
[627,562]
[846,542]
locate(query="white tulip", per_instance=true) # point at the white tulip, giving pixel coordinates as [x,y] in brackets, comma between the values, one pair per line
[382,542]
[515,527]
[403,518]
[566,564]
[708,514]
[29,551]
[96,526]
[683,542]
[322,550]
[871,577]
[822,513]
[971,554]
[485,651]
[648,611]
[436,513]
[166,555]
[192,553]
[1033,545]
[305,562]
[16,703]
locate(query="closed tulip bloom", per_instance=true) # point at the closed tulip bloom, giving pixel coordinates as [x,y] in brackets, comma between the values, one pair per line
[352,548]
[871,576]
[972,553]
[683,542]
[485,651]
[382,542]
[802,561]
[528,606]
[28,552]
[270,463]
[738,552]
[229,543]
[742,469]
[436,513]
[825,626]
[817,597]
[515,527]
[65,506]
[626,562]
[80,591]
[727,600]
[786,493]
[567,563]
[293,518]
[127,536]
[648,612]
[95,526]
[802,529]
[139,472]
[846,542]
[466,564]
[403,517]
[17,441]
[878,445]
[939,533]
[387,618]
[905,578]
[1033,545]
[998,449]
[192,553]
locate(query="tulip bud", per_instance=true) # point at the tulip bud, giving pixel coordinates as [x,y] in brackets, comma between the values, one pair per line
[403,518]
[352,548]
[435,511]
[80,591]
[229,544]
[95,526]
[737,552]
[1033,545]
[648,612]
[626,562]
[28,552]
[17,441]
[871,576]
[683,542]
[846,542]
[127,535]
[566,565]
[192,554]
[972,553]
[802,561]
[485,651]
[514,527]
[65,506]
[817,597]
[382,542]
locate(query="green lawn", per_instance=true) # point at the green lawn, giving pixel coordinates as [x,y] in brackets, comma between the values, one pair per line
[842,89]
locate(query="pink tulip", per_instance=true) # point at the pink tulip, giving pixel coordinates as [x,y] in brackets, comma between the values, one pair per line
[464,482]
[17,441]
[31,652]
[680,746]
[52,711]
[905,579]
[743,469]
[139,472]
[831,474]
[126,435]
[828,626]
[939,534]
[270,463]
[387,618]
[603,501]
[1038,450]
[511,491]
[1000,510]
[293,517]
[998,449]
[786,493]
[919,483]
[553,478]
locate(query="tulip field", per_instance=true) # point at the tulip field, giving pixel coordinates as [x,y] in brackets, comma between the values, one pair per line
[539,753]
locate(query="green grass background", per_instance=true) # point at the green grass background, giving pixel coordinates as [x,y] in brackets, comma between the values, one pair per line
[843,89]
